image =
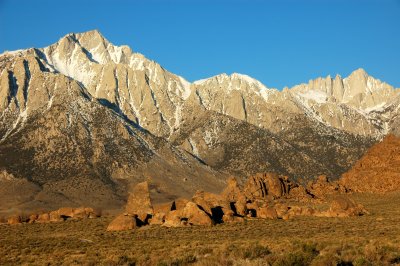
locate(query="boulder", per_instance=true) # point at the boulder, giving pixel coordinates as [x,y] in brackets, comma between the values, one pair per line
[43,218]
[139,202]
[299,193]
[66,212]
[213,204]
[281,209]
[295,211]
[93,213]
[321,187]
[32,218]
[55,216]
[80,213]
[232,192]
[342,203]
[179,204]
[252,205]
[15,219]
[241,206]
[276,187]
[342,206]
[267,213]
[123,222]
[206,201]
[230,217]
[164,207]
[308,211]
[158,218]
[255,187]
[174,219]
[266,186]
[195,215]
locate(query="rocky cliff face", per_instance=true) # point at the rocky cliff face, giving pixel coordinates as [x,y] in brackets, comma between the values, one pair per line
[341,102]
[74,149]
[85,115]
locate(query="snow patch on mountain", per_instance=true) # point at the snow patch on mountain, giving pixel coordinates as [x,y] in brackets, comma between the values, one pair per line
[314,95]
[185,85]
[235,82]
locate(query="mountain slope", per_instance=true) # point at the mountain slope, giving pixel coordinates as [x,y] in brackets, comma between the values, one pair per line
[378,170]
[305,151]
[77,151]
[82,118]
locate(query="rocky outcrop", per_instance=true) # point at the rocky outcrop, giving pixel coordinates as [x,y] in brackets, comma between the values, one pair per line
[139,202]
[60,215]
[13,220]
[195,215]
[270,186]
[267,212]
[342,206]
[123,222]
[265,186]
[174,219]
[232,192]
[378,171]
[321,187]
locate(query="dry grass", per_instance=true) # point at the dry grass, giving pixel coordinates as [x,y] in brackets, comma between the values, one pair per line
[367,240]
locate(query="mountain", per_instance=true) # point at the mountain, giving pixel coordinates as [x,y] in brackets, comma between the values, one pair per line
[82,118]
[340,102]
[73,149]
[378,170]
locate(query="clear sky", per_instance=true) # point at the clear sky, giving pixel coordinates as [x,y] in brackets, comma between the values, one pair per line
[280,43]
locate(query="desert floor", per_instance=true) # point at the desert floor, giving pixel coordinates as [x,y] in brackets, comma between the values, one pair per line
[366,240]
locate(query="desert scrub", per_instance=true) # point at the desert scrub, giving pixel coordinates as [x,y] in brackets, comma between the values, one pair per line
[368,240]
[247,251]
[303,254]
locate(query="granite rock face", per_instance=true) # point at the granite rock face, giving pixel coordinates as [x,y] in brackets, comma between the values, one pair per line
[83,118]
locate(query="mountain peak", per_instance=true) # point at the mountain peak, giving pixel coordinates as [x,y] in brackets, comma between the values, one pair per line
[93,35]
[232,77]
[360,72]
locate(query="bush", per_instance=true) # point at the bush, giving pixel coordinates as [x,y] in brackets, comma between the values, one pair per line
[304,256]
[293,259]
[361,261]
[180,261]
[255,251]
[247,251]
[126,261]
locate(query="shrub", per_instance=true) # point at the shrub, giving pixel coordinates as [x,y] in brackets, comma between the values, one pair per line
[126,261]
[255,251]
[361,261]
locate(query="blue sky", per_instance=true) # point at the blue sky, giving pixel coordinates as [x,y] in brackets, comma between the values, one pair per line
[280,43]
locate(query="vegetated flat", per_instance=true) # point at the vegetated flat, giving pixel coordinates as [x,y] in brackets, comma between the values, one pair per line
[367,240]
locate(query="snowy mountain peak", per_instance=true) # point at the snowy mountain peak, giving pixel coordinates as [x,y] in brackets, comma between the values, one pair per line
[360,72]
[156,99]
[235,79]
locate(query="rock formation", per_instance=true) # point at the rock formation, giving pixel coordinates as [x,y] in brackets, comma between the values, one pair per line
[139,202]
[321,187]
[123,222]
[195,215]
[342,206]
[266,196]
[378,171]
[59,215]
[82,118]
